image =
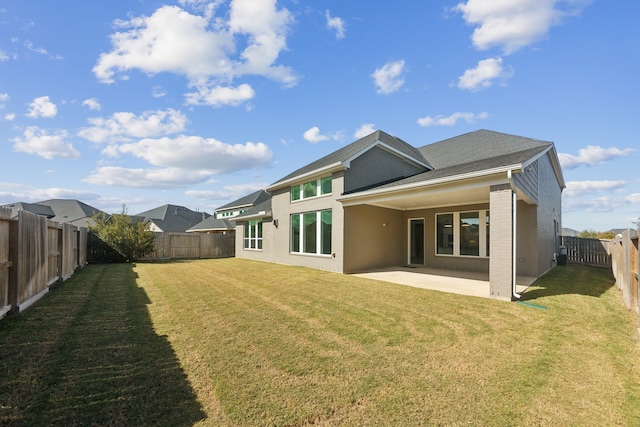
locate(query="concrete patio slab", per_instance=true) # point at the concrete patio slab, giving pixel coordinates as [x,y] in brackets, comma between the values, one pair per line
[456,282]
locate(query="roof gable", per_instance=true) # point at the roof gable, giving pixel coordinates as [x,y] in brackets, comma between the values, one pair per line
[342,157]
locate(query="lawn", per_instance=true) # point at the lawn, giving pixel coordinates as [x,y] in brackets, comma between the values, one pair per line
[234,342]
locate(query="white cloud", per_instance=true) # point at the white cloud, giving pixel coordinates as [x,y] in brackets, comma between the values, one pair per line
[92,104]
[514,24]
[633,198]
[336,24]
[123,126]
[14,192]
[61,193]
[314,136]
[42,107]
[483,75]
[218,96]
[388,78]
[197,153]
[364,130]
[228,192]
[146,178]
[4,97]
[592,155]
[3,56]
[40,142]
[180,161]
[576,188]
[452,119]
[203,48]
[9,117]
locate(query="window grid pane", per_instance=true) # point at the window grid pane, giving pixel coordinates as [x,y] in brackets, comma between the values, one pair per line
[325,185]
[445,234]
[310,189]
[295,233]
[310,230]
[470,233]
[325,233]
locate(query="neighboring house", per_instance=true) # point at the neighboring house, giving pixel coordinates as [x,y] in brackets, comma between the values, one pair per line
[60,210]
[483,201]
[172,218]
[214,225]
[237,207]
[223,219]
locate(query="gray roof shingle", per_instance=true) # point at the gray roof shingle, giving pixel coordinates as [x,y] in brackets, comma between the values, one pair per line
[248,200]
[173,218]
[351,150]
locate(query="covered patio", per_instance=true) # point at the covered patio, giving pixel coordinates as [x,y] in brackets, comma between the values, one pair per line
[456,282]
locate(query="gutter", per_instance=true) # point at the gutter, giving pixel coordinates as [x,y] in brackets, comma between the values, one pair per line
[513,233]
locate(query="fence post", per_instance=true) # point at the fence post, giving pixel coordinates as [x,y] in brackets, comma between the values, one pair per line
[13,270]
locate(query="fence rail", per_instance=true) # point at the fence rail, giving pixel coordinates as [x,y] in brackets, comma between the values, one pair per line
[35,253]
[594,252]
[192,245]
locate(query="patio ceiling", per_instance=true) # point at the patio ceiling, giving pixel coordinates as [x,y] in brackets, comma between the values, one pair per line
[428,195]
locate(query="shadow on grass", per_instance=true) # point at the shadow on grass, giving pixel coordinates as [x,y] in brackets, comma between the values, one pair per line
[87,354]
[573,279]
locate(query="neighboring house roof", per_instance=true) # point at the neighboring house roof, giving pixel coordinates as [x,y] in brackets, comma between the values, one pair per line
[342,157]
[213,224]
[173,218]
[246,201]
[262,210]
[35,208]
[61,210]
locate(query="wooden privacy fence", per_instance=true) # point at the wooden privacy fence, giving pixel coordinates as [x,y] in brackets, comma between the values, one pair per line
[594,252]
[193,245]
[624,252]
[35,252]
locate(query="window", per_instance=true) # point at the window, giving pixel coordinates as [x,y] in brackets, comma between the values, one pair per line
[253,234]
[463,233]
[311,233]
[315,188]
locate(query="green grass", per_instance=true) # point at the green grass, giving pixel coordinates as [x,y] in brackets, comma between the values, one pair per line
[236,342]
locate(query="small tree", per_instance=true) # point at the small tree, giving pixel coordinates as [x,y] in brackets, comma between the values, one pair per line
[129,236]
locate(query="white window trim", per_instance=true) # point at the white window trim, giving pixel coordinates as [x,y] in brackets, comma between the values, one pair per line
[482,234]
[318,252]
[253,237]
[318,190]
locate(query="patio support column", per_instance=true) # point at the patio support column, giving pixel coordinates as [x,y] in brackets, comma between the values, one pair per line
[501,242]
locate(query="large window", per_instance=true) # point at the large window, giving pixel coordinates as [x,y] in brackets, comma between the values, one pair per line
[253,234]
[308,190]
[311,233]
[463,233]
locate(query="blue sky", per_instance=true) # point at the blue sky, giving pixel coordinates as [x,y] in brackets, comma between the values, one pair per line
[197,103]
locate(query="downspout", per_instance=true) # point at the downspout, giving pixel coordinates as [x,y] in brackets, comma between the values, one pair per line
[513,234]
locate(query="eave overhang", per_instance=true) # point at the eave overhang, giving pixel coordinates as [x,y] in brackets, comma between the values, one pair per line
[468,188]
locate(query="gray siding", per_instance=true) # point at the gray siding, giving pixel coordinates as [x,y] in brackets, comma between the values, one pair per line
[376,166]
[549,214]
[527,182]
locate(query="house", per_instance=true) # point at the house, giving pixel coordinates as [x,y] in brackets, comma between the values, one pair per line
[484,202]
[222,220]
[239,206]
[172,218]
[213,225]
[60,210]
